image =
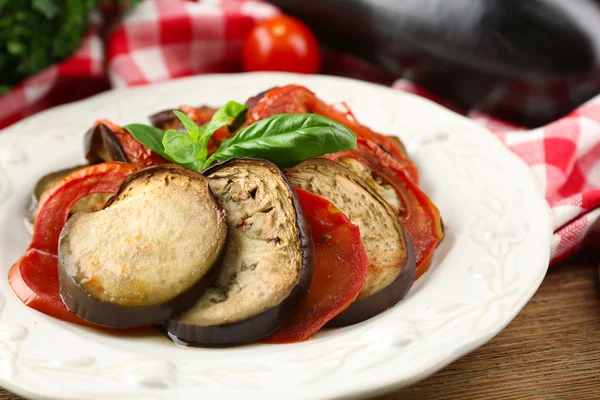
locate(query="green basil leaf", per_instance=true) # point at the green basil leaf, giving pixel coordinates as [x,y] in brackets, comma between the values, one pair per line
[149,136]
[182,148]
[230,110]
[287,139]
[221,118]
[189,125]
[152,138]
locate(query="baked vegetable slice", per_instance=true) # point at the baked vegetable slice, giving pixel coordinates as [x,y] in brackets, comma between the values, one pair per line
[34,278]
[341,268]
[419,216]
[102,145]
[268,263]
[391,259]
[92,202]
[107,141]
[146,256]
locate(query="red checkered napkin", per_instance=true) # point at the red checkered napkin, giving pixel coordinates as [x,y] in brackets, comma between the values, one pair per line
[165,39]
[565,157]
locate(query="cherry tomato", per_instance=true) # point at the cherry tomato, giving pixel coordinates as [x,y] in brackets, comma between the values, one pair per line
[281,43]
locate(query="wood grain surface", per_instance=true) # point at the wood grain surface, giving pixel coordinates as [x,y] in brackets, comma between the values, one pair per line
[551,351]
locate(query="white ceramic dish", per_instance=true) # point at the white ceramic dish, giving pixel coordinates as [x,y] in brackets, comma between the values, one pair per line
[492,260]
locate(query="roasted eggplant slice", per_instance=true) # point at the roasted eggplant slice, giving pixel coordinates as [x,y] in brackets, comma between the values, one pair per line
[102,145]
[268,262]
[391,259]
[149,254]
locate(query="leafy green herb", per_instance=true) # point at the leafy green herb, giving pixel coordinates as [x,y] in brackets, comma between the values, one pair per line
[182,148]
[191,147]
[152,137]
[149,136]
[186,148]
[287,139]
[222,118]
[37,33]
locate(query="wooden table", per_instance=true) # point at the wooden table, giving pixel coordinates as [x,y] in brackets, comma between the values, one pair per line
[551,351]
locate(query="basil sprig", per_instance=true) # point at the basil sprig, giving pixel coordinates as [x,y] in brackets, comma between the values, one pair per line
[284,139]
[152,137]
[287,139]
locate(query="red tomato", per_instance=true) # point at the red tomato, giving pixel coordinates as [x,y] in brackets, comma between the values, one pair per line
[340,272]
[34,278]
[281,43]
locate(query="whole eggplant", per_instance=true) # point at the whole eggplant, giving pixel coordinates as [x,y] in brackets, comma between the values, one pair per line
[461,49]
[507,37]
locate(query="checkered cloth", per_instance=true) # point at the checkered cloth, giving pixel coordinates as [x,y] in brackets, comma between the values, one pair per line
[165,39]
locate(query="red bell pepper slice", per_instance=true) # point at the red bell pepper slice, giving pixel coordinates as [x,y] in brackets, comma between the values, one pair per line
[340,270]
[34,278]
[420,217]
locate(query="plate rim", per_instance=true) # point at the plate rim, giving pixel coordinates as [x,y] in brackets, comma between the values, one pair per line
[381,387]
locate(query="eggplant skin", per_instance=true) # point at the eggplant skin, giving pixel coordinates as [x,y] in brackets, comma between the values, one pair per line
[391,256]
[165,120]
[253,101]
[113,315]
[376,303]
[102,145]
[500,38]
[261,325]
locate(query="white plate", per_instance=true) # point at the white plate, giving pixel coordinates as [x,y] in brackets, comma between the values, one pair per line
[494,256]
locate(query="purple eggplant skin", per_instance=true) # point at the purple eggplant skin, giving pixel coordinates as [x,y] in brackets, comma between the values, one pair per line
[265,323]
[121,317]
[165,120]
[508,38]
[253,101]
[101,145]
[376,303]
[466,49]
[114,316]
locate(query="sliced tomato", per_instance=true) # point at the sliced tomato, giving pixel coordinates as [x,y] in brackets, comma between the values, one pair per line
[294,99]
[340,270]
[34,278]
[135,152]
[289,99]
[420,217]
